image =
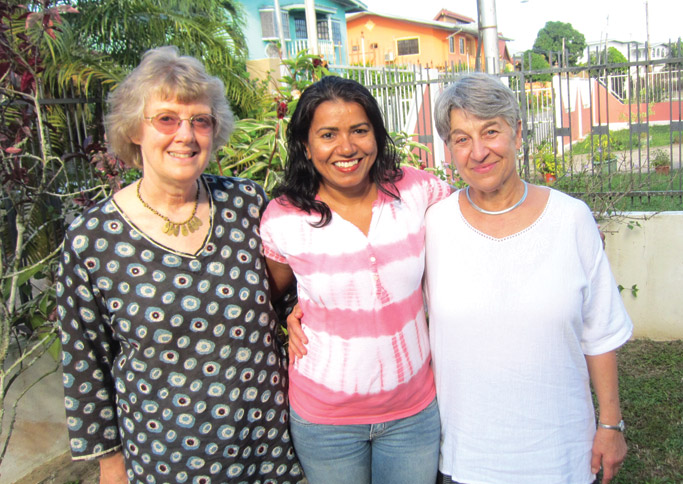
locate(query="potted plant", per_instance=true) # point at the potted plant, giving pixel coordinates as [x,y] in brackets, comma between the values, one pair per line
[661,162]
[544,160]
[604,158]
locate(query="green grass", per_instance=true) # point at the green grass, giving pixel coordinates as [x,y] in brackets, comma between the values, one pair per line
[623,140]
[651,390]
[606,193]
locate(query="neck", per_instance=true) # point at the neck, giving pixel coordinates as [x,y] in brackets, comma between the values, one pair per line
[498,203]
[353,197]
[166,196]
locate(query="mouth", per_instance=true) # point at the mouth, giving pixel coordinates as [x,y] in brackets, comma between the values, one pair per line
[346,163]
[182,155]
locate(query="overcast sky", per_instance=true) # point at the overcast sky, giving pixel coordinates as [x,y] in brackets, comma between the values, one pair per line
[521,20]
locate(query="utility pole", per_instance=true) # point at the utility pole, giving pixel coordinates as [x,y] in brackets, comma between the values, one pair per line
[488,29]
[647,33]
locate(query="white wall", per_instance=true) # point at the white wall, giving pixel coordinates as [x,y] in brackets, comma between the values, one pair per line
[650,256]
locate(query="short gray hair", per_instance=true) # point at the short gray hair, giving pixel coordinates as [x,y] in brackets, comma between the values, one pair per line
[165,74]
[479,94]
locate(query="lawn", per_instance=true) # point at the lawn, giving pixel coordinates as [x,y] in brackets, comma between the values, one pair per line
[608,191]
[651,388]
[659,135]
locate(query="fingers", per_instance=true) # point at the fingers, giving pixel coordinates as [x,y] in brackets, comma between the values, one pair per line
[297,338]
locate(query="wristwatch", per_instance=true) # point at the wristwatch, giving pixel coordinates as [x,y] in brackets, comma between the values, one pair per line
[620,427]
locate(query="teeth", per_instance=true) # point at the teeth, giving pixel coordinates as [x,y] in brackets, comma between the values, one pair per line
[346,164]
[182,155]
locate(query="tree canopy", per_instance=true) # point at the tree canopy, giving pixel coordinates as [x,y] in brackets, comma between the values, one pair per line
[549,39]
[536,62]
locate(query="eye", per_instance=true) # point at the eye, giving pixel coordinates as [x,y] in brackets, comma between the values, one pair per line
[169,119]
[202,121]
[361,130]
[327,135]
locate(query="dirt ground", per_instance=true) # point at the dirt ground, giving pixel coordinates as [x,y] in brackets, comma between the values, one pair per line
[63,470]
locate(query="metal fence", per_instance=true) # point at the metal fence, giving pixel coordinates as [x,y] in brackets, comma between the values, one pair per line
[602,120]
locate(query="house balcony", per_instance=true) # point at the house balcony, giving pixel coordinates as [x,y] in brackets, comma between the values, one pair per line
[331,52]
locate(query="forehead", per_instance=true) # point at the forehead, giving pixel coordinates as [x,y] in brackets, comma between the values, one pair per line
[461,120]
[173,104]
[339,113]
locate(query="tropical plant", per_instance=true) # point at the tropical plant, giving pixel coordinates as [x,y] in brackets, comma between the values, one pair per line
[102,40]
[555,36]
[38,191]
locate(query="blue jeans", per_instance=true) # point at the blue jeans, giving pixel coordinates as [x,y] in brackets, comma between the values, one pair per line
[404,451]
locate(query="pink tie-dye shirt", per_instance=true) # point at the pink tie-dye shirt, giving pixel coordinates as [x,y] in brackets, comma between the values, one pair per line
[368,355]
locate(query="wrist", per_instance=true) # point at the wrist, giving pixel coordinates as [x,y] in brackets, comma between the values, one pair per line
[619,426]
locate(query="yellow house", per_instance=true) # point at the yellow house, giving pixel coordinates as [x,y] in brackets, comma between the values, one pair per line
[450,40]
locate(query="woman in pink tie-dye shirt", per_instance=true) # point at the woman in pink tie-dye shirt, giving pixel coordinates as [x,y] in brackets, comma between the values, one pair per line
[349,225]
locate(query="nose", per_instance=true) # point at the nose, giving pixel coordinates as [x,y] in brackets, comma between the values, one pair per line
[185,130]
[479,150]
[346,145]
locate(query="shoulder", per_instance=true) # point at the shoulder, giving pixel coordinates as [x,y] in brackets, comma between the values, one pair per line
[224,187]
[281,207]
[92,217]
[570,206]
[413,175]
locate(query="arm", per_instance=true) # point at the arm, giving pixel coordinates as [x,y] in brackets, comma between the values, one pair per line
[88,352]
[609,446]
[113,469]
[280,276]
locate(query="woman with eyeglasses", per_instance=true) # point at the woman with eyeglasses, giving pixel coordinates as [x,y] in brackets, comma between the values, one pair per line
[172,368]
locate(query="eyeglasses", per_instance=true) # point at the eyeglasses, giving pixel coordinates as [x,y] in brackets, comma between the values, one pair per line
[168,123]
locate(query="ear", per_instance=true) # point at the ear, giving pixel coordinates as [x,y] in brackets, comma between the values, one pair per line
[307,151]
[518,136]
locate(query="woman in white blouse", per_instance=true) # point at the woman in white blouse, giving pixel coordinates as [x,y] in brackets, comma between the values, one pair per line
[524,312]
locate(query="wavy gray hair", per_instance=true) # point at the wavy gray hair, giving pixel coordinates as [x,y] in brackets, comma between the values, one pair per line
[479,94]
[163,73]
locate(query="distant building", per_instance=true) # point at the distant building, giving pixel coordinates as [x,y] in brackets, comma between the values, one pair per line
[450,39]
[632,51]
[263,38]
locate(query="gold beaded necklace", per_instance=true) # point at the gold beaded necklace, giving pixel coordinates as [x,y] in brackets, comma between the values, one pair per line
[170,227]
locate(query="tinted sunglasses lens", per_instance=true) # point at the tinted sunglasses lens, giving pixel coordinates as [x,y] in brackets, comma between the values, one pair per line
[203,123]
[166,123]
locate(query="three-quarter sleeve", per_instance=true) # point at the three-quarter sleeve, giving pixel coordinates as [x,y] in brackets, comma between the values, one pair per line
[88,353]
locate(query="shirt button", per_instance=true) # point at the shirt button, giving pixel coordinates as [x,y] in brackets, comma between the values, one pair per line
[372,259]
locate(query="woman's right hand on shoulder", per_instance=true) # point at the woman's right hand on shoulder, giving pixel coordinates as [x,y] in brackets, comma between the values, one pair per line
[113,469]
[297,338]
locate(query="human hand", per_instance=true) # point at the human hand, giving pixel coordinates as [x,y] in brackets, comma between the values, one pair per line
[297,338]
[113,469]
[602,237]
[609,450]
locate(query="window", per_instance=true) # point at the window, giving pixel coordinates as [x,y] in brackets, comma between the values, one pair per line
[408,46]
[268,27]
[462,45]
[336,31]
[451,44]
[323,30]
[300,28]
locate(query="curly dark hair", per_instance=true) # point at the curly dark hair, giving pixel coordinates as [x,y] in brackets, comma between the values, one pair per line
[302,180]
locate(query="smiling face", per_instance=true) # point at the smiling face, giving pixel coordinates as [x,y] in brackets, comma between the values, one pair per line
[178,158]
[342,146]
[484,150]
